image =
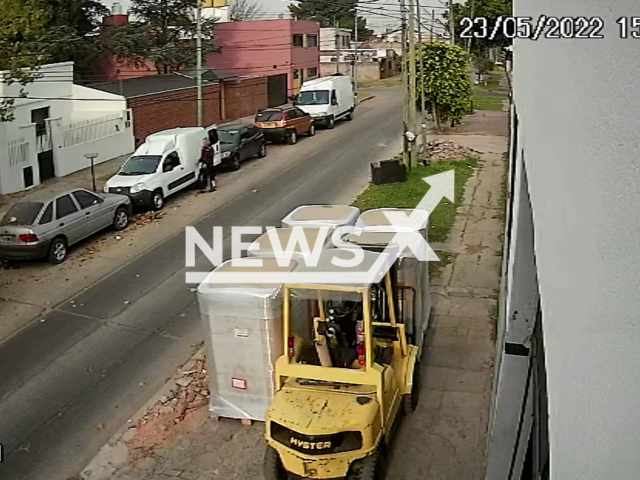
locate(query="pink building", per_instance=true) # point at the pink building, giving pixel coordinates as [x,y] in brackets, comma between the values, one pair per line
[286,51]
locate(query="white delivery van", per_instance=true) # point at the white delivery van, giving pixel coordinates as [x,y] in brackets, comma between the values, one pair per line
[327,99]
[164,164]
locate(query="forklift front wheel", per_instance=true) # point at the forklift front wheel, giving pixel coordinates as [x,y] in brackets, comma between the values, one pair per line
[411,399]
[373,467]
[273,468]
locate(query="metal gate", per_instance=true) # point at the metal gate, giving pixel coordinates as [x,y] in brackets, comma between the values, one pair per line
[44,150]
[277,90]
[46,166]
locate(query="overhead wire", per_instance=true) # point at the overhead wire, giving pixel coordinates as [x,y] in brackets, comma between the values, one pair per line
[363,6]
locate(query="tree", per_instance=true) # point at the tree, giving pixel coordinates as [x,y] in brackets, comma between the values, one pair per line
[330,14]
[65,32]
[483,66]
[245,10]
[164,35]
[488,9]
[21,24]
[81,15]
[443,77]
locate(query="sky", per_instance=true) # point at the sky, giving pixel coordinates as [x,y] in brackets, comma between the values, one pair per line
[388,9]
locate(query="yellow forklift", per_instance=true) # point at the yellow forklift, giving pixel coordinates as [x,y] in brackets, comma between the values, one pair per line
[347,374]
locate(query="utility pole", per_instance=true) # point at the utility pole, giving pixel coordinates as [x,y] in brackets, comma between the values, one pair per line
[199,63]
[433,22]
[423,98]
[337,46]
[452,30]
[355,60]
[469,39]
[412,83]
[405,84]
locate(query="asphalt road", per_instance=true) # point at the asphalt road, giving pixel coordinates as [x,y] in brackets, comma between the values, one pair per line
[69,380]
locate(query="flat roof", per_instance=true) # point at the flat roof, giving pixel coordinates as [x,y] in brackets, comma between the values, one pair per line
[146,85]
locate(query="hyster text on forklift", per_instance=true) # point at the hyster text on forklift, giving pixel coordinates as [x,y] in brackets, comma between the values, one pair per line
[347,374]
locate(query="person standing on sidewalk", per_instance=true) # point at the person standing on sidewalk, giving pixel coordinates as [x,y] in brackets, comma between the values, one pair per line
[208,173]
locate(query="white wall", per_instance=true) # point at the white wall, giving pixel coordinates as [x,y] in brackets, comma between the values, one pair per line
[114,138]
[520,308]
[578,102]
[55,81]
[328,40]
[68,103]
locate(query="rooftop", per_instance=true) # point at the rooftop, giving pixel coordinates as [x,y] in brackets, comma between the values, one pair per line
[133,87]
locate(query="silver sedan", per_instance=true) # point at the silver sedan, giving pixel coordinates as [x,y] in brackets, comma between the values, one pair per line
[47,227]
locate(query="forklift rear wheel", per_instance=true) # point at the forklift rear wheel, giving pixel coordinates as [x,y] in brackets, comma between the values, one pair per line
[373,467]
[411,399]
[273,468]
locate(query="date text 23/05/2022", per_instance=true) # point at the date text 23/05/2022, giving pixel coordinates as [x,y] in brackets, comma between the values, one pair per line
[545,27]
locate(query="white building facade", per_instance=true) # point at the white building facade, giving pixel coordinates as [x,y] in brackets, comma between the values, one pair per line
[55,125]
[333,39]
[567,375]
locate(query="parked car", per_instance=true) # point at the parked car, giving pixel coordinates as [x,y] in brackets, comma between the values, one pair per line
[327,99]
[285,123]
[240,142]
[46,228]
[164,164]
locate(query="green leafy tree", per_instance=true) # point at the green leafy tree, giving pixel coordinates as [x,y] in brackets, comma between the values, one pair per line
[483,66]
[443,77]
[164,35]
[330,14]
[80,15]
[489,9]
[65,32]
[21,24]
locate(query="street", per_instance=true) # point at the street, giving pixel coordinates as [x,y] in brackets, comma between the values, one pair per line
[74,375]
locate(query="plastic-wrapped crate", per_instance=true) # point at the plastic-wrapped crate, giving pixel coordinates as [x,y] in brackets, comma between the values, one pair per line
[376,220]
[263,246]
[332,216]
[243,325]
[413,278]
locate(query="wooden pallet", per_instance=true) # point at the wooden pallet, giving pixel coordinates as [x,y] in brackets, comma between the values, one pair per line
[243,421]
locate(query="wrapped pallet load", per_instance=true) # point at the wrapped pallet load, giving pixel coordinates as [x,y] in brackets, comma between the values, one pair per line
[332,216]
[411,271]
[243,325]
[410,219]
[264,246]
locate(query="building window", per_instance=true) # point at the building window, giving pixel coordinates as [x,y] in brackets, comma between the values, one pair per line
[39,117]
[296,74]
[298,40]
[312,72]
[312,40]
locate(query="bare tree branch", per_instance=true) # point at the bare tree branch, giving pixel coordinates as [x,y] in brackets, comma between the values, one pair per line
[245,10]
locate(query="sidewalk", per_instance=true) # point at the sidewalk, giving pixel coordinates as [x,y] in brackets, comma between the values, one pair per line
[445,437]
[443,440]
[81,178]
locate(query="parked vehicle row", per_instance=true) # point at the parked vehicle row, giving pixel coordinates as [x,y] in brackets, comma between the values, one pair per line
[166,163]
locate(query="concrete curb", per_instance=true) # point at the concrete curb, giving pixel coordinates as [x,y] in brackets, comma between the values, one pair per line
[114,453]
[368,97]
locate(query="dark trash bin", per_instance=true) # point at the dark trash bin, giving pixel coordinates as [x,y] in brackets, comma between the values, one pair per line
[388,171]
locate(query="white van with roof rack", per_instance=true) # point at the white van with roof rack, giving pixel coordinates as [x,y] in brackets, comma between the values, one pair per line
[327,99]
[164,164]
